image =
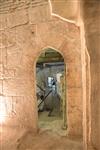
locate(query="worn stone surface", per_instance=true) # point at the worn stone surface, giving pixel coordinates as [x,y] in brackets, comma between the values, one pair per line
[67,9]
[91,20]
[25,34]
[26,28]
[92,33]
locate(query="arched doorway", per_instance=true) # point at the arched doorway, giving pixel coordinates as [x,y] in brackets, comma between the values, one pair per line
[51,89]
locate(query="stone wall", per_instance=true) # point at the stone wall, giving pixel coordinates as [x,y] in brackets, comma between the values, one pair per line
[24,34]
[91,16]
[91,21]
[12,5]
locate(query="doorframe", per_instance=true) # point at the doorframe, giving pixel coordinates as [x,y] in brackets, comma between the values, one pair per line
[65,72]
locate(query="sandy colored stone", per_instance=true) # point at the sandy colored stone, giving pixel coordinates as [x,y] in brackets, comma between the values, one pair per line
[25,43]
[17,18]
[1,87]
[39,14]
[3,24]
[32,29]
[3,56]
[17,87]
[74,76]
[92,34]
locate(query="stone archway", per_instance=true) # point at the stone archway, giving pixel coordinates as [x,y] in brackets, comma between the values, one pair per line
[55,103]
[68,43]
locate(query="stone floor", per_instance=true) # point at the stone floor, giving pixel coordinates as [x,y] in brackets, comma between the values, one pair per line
[48,141]
[54,122]
[50,136]
[11,139]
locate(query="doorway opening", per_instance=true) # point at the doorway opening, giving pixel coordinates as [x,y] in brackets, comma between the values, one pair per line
[51,91]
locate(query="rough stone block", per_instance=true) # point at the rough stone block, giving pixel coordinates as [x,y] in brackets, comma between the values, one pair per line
[74,75]
[74,98]
[71,51]
[17,18]
[3,56]
[14,56]
[58,27]
[74,109]
[1,87]
[7,38]
[3,24]
[45,33]
[8,106]
[9,73]
[1,71]
[39,14]
[18,87]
